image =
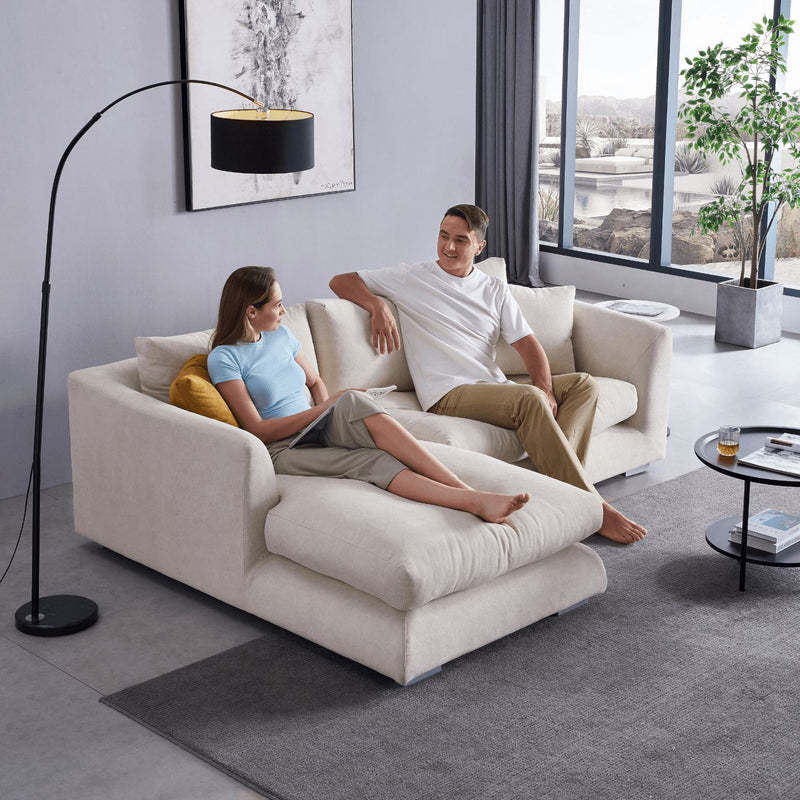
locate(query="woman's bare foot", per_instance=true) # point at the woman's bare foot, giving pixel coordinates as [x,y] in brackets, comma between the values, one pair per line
[492,507]
[619,528]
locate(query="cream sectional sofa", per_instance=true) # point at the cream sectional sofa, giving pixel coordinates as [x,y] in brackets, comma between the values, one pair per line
[398,586]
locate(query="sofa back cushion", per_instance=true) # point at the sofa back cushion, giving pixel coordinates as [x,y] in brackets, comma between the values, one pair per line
[346,358]
[548,311]
[160,358]
[296,321]
[494,266]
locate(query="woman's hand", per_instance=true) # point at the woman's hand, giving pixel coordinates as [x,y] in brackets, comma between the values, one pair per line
[334,397]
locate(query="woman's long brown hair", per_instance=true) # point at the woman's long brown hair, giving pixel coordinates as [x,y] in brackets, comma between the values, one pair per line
[246,286]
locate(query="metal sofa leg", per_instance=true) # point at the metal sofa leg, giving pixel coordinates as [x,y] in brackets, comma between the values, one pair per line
[423,676]
[636,470]
[571,608]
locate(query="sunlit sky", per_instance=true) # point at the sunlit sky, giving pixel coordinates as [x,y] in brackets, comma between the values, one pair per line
[618,41]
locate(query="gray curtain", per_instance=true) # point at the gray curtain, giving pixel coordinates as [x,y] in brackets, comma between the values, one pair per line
[507,158]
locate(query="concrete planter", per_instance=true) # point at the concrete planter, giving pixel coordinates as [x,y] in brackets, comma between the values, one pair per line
[749,317]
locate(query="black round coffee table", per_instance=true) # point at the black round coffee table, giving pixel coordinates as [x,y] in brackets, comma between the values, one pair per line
[750,439]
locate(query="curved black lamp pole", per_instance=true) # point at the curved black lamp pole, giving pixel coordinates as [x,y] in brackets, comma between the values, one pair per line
[58,615]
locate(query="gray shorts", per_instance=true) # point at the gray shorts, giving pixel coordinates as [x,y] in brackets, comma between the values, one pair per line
[345,450]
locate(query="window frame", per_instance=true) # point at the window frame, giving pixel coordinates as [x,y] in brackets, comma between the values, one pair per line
[666,117]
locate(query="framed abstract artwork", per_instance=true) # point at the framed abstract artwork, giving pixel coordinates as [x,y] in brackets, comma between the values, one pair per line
[294,54]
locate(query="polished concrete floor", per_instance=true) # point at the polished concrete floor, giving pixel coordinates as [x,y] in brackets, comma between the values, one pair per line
[57,741]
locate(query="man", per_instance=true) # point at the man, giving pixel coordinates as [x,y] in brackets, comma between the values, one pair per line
[452,315]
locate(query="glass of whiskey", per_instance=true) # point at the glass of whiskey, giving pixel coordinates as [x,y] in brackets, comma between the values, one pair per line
[728,440]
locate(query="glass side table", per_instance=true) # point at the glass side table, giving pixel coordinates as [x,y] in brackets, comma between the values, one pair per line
[750,439]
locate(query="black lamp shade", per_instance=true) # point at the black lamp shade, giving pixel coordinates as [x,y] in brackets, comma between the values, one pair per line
[256,141]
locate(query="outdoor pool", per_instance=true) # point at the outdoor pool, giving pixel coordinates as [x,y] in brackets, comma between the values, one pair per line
[598,201]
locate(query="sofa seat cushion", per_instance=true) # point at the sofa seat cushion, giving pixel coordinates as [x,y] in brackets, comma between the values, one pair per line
[469,434]
[617,402]
[407,554]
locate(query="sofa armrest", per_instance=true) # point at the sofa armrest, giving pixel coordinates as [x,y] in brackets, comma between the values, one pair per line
[613,345]
[181,493]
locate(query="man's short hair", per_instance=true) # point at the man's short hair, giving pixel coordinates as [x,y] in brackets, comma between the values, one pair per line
[476,218]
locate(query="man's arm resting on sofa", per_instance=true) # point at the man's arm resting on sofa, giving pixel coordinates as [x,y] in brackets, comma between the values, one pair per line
[385,334]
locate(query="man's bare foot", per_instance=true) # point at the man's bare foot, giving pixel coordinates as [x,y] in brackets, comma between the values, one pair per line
[492,507]
[619,528]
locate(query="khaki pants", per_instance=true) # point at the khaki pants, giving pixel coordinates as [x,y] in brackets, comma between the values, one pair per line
[557,446]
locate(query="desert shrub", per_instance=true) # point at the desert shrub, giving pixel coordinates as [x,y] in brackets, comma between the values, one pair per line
[724,185]
[554,157]
[548,204]
[585,133]
[689,160]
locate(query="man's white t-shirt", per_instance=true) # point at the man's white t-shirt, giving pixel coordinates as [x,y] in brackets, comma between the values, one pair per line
[450,325]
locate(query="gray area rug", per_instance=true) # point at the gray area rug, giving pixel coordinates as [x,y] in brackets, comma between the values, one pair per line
[672,684]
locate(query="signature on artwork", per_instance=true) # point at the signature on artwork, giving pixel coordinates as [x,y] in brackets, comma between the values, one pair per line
[338,185]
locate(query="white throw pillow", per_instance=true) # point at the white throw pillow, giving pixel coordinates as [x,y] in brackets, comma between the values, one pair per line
[548,311]
[495,266]
[160,359]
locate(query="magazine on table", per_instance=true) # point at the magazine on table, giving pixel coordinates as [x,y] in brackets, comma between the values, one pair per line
[776,458]
[786,441]
[632,307]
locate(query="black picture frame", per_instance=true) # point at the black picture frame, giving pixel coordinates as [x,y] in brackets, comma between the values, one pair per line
[286,54]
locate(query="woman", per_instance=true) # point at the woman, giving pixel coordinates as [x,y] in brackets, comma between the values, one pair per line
[257,366]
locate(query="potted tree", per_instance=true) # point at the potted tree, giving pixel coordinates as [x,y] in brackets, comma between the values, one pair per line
[751,132]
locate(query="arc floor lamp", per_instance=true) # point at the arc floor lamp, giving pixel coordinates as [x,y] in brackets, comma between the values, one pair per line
[252,141]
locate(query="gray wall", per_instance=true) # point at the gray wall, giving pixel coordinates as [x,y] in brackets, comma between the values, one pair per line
[127,259]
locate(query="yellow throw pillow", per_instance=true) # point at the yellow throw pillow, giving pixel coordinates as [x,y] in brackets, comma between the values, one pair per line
[192,390]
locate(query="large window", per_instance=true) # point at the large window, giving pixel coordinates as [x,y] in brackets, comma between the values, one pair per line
[615,126]
[551,27]
[616,60]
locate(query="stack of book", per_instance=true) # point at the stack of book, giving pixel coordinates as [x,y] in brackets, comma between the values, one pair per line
[769,530]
